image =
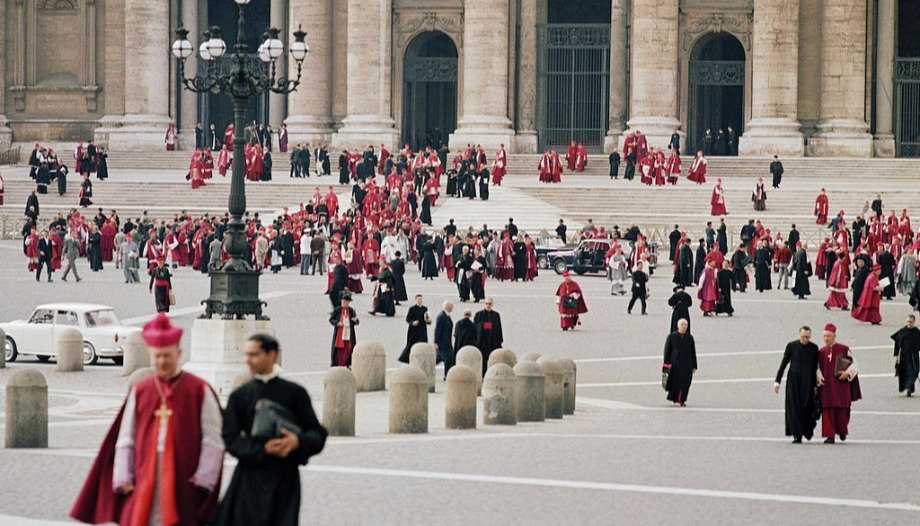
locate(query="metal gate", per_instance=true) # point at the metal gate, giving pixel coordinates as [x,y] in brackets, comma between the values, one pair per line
[573,84]
[429,100]
[708,81]
[907,116]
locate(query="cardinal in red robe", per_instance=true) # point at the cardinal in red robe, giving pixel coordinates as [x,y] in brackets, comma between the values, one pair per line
[500,166]
[838,283]
[867,308]
[570,154]
[838,385]
[717,201]
[821,206]
[698,169]
[161,461]
[571,302]
[708,291]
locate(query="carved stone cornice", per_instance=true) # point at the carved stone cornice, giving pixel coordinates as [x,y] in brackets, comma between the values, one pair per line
[696,23]
[409,24]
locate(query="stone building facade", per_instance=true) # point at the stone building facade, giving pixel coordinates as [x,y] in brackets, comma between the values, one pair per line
[794,77]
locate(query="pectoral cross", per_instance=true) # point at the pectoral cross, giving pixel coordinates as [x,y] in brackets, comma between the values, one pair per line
[163,413]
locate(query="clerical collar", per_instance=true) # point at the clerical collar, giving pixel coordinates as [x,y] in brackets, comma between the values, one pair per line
[265,378]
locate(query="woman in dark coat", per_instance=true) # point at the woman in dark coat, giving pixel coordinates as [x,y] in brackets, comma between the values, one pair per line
[802,358]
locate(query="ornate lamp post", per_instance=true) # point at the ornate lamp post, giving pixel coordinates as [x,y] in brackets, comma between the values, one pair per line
[235,287]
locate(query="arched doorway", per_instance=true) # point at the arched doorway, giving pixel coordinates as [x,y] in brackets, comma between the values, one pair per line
[429,90]
[217,108]
[716,98]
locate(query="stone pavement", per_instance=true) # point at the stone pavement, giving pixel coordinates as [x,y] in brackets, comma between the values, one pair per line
[626,456]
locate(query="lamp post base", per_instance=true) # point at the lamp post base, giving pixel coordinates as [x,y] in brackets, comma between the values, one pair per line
[234,295]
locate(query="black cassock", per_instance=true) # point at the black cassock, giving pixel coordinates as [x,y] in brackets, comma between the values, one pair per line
[398,267]
[739,261]
[383,299]
[699,263]
[488,334]
[415,333]
[859,281]
[520,259]
[800,267]
[425,215]
[888,264]
[726,280]
[763,258]
[463,276]
[464,334]
[800,387]
[484,185]
[265,489]
[907,349]
[684,274]
[681,302]
[680,354]
[477,288]
[339,282]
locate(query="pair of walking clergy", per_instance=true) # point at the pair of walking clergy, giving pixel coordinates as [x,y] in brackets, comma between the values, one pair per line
[161,461]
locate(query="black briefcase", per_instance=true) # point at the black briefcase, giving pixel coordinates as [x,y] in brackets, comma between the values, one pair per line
[270,418]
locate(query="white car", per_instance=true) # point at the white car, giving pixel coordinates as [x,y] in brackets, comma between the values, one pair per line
[103,334]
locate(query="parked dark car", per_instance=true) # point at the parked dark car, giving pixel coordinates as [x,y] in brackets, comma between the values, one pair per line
[543,245]
[588,255]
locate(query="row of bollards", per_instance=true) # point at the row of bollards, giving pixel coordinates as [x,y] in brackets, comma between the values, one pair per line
[532,389]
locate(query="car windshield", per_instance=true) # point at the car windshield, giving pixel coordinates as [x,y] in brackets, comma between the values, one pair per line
[551,242]
[97,318]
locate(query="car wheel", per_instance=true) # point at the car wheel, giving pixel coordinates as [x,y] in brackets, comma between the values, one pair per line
[89,354]
[10,350]
[43,357]
[559,266]
[542,262]
[119,360]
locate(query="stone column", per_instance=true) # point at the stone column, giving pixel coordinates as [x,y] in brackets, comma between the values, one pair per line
[842,128]
[774,127]
[310,107]
[370,120]
[526,138]
[6,134]
[485,76]
[884,79]
[277,104]
[654,73]
[188,100]
[147,62]
[618,67]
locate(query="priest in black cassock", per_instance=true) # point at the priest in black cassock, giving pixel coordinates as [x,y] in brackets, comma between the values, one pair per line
[398,268]
[801,356]
[488,332]
[907,354]
[339,282]
[265,488]
[681,302]
[679,363]
[464,331]
[418,320]
[683,275]
[383,291]
[700,260]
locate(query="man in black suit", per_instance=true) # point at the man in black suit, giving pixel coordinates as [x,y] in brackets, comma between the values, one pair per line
[44,256]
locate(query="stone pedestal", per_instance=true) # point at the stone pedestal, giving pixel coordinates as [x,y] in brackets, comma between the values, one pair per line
[26,418]
[484,119]
[136,355]
[841,138]
[654,72]
[460,402]
[339,402]
[69,351]
[369,120]
[766,137]
[217,350]
[408,401]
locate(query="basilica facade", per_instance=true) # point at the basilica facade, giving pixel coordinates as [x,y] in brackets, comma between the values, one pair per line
[791,77]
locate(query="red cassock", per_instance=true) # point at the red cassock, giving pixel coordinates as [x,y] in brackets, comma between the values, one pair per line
[568,316]
[228,137]
[836,395]
[821,206]
[384,155]
[717,201]
[557,169]
[32,251]
[867,309]
[658,168]
[570,154]
[708,291]
[698,171]
[646,167]
[108,242]
[837,283]
[673,169]
[500,167]
[532,269]
[55,252]
[581,159]
[544,169]
[207,169]
[223,162]
[371,252]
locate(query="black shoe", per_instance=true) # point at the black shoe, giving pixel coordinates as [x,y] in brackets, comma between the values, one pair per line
[645,314]
[683,404]
[826,307]
[63,279]
[797,440]
[843,438]
[829,440]
[79,280]
[845,308]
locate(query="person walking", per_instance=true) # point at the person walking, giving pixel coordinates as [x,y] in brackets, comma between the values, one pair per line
[343,319]
[161,285]
[801,356]
[418,320]
[680,303]
[265,488]
[71,253]
[907,355]
[571,302]
[639,288]
[443,336]
[679,364]
[617,272]
[838,385]
[130,257]
[44,256]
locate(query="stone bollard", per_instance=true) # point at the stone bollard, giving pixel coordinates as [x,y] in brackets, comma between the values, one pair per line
[26,410]
[462,383]
[531,357]
[555,394]
[569,375]
[504,356]
[470,356]
[339,402]
[369,363]
[530,392]
[498,402]
[425,357]
[139,375]
[3,354]
[409,401]
[136,354]
[69,351]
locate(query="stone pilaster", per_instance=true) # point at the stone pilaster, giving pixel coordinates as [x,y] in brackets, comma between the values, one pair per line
[310,107]
[339,62]
[526,138]
[188,100]
[6,134]
[618,88]
[484,119]
[147,56]
[842,128]
[277,104]
[774,127]
[654,71]
[369,120]
[883,144]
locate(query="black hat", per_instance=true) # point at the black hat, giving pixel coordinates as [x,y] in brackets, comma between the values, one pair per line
[677,287]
